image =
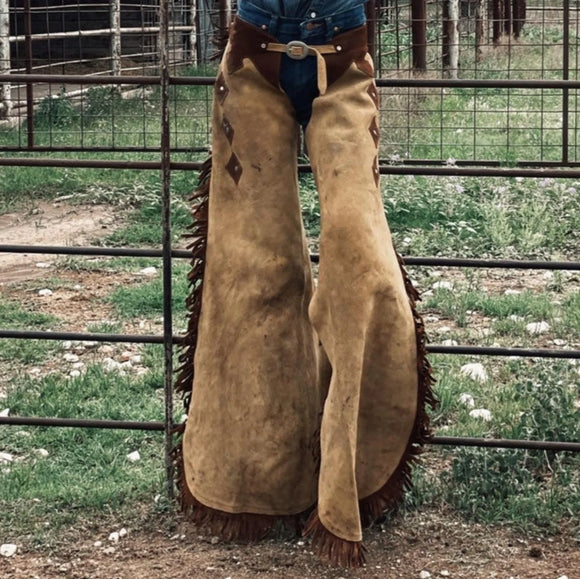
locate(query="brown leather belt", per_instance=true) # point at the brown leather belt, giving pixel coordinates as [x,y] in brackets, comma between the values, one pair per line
[298,50]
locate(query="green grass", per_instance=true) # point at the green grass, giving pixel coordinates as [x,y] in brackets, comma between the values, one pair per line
[86,474]
[22,352]
[146,298]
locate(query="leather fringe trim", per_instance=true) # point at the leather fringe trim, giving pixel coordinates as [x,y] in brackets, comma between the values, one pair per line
[336,551]
[391,494]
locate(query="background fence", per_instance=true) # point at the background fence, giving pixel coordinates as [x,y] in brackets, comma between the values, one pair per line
[148,62]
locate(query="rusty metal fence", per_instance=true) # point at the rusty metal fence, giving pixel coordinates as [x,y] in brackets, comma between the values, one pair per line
[169,152]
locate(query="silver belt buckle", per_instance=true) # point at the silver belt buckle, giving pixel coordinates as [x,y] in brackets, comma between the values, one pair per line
[297,50]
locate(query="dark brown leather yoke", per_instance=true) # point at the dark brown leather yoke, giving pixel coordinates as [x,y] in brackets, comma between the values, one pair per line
[248,41]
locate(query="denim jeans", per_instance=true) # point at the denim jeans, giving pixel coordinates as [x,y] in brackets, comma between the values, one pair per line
[298,78]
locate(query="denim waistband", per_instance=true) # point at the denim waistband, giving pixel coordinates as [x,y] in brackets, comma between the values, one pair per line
[315,27]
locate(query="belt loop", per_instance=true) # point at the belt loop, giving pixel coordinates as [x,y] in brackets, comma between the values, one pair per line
[329,28]
[273,26]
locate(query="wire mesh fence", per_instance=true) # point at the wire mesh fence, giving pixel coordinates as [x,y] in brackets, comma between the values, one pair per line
[460,95]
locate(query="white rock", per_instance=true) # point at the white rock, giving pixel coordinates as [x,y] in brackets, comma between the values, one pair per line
[41,452]
[106,349]
[424,575]
[71,358]
[548,275]
[126,356]
[137,359]
[148,271]
[5,413]
[134,456]
[78,365]
[444,330]
[563,577]
[74,373]
[511,292]
[475,371]
[183,418]
[6,458]
[67,345]
[114,537]
[449,343]
[89,344]
[430,318]
[558,342]
[515,318]
[110,365]
[444,573]
[34,371]
[467,400]
[8,549]
[3,394]
[98,544]
[78,287]
[538,328]
[122,532]
[109,550]
[43,265]
[482,413]
[446,285]
[44,292]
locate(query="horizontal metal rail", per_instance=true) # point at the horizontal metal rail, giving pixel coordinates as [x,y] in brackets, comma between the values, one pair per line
[446,171]
[159,426]
[153,339]
[80,423]
[210,80]
[185,254]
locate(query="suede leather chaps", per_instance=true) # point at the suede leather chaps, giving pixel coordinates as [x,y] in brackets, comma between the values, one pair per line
[304,398]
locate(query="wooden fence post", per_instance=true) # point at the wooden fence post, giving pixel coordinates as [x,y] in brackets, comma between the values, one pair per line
[193,32]
[5,96]
[419,34]
[519,16]
[116,37]
[479,29]
[453,38]
[497,15]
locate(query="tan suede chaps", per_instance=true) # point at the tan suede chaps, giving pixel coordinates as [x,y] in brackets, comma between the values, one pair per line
[301,400]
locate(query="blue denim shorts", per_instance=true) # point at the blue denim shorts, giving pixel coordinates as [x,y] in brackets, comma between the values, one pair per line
[298,78]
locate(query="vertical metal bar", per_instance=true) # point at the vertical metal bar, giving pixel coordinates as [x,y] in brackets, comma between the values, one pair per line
[419,34]
[29,87]
[166,238]
[5,92]
[115,18]
[565,76]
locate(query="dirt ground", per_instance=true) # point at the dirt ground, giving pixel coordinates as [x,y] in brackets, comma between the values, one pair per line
[420,545]
[48,223]
[429,542]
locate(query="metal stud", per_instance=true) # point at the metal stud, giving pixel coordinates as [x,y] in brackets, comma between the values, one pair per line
[338,48]
[264,27]
[263,45]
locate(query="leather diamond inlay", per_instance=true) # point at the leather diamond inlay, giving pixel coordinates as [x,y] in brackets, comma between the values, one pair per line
[373,93]
[221,88]
[374,131]
[228,129]
[234,168]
